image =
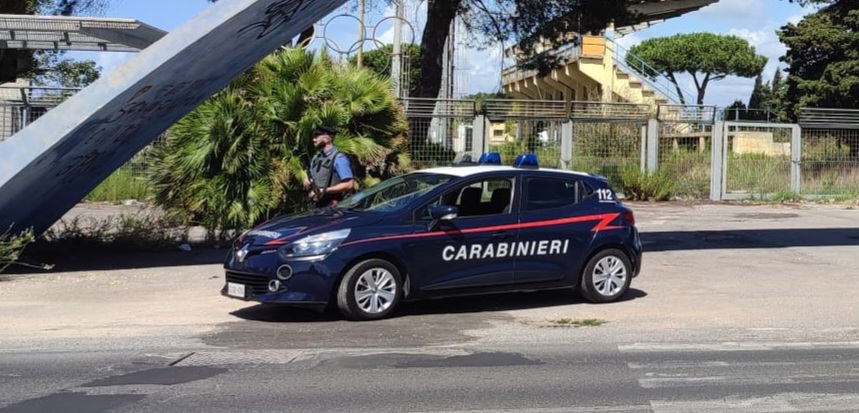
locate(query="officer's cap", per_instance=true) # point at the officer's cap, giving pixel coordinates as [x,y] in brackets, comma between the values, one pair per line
[324,130]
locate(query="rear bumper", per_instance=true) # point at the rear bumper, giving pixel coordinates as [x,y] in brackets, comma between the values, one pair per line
[636,253]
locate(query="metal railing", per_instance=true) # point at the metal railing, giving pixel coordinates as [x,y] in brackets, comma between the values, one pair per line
[525,109]
[587,111]
[656,80]
[22,105]
[565,54]
[686,113]
[444,108]
[829,118]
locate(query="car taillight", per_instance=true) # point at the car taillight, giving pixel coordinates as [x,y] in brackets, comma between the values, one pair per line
[628,217]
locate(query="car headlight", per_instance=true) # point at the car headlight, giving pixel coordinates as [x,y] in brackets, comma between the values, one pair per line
[319,244]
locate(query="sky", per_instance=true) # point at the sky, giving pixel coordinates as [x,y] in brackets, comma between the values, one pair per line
[479,70]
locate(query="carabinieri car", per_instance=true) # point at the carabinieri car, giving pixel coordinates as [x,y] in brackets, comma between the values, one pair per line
[444,231]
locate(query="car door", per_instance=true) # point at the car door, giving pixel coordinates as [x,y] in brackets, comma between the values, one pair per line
[471,250]
[555,228]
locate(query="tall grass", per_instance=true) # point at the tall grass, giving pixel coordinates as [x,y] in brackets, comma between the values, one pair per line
[690,170]
[121,185]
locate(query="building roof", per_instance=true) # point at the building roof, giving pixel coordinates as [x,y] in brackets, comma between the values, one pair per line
[642,15]
[649,13]
[76,33]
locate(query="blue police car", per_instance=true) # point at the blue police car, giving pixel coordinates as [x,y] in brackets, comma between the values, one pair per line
[444,231]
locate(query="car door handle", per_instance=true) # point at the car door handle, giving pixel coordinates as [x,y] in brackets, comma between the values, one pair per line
[502,234]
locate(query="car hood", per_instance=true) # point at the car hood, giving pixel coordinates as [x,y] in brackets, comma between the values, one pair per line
[288,228]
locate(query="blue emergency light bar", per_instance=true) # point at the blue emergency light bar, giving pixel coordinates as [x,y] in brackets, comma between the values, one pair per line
[490,158]
[526,160]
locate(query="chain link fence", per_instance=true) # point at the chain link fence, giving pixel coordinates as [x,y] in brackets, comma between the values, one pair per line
[525,126]
[685,137]
[756,158]
[441,130]
[20,106]
[609,138]
[829,163]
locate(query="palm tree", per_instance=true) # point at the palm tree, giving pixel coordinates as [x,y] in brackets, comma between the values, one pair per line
[241,157]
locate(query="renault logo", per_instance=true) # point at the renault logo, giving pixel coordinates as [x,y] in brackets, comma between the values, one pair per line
[242,253]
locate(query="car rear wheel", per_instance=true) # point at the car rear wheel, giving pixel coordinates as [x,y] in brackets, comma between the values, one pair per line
[370,290]
[606,277]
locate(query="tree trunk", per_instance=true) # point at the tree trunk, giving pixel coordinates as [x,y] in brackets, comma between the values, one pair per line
[305,37]
[677,86]
[440,14]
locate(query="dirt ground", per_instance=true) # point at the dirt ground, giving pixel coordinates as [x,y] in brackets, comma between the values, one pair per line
[727,272]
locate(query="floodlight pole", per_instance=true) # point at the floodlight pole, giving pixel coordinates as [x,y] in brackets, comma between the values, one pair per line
[396,58]
[361,34]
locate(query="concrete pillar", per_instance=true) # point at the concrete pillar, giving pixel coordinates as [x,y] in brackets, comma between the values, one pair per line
[652,145]
[717,180]
[481,127]
[567,144]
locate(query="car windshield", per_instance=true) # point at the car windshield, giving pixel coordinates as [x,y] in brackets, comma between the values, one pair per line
[395,193]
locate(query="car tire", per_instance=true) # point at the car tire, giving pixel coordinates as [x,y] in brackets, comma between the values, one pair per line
[606,277]
[370,290]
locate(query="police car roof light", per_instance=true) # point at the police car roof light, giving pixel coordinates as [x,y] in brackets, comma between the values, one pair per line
[526,160]
[491,158]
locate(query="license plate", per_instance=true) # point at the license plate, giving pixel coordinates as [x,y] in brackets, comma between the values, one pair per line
[236,290]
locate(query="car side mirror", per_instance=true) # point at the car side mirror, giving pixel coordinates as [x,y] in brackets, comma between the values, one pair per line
[440,214]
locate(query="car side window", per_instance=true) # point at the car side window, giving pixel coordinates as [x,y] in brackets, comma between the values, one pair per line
[547,193]
[491,196]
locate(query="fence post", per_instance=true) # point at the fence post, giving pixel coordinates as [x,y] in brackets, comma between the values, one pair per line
[795,158]
[717,160]
[652,140]
[479,134]
[567,144]
[643,155]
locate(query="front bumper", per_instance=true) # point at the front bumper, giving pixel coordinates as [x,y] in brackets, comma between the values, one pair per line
[310,282]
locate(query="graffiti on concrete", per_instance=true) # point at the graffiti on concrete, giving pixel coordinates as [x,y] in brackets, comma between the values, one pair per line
[275,15]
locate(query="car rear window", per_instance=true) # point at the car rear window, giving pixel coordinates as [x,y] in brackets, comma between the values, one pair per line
[546,193]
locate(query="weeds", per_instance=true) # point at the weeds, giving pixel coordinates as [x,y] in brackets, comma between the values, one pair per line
[119,186]
[588,322]
[12,246]
[143,231]
[646,186]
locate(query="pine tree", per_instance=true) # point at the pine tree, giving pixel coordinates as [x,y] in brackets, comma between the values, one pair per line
[759,99]
[776,103]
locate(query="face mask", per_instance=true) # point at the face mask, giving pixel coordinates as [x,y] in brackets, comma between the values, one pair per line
[320,143]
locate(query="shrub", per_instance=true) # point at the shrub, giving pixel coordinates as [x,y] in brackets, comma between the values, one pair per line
[12,246]
[650,186]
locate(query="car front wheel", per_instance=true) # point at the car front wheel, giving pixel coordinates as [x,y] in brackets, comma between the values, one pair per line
[370,290]
[606,277]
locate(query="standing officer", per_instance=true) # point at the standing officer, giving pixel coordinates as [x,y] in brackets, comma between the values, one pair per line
[330,171]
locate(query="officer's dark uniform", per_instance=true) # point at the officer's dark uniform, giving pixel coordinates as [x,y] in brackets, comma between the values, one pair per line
[323,174]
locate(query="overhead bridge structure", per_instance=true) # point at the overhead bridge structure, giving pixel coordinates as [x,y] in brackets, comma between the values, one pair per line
[51,164]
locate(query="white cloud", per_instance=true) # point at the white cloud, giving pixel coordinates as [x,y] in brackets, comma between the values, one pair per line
[481,70]
[736,11]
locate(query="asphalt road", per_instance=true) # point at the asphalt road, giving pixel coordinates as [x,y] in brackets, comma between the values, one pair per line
[738,309]
[576,377]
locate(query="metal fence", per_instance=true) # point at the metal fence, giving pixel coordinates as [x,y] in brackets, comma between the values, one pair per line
[684,152]
[520,126]
[705,155]
[757,159]
[440,129]
[608,138]
[20,106]
[829,155]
